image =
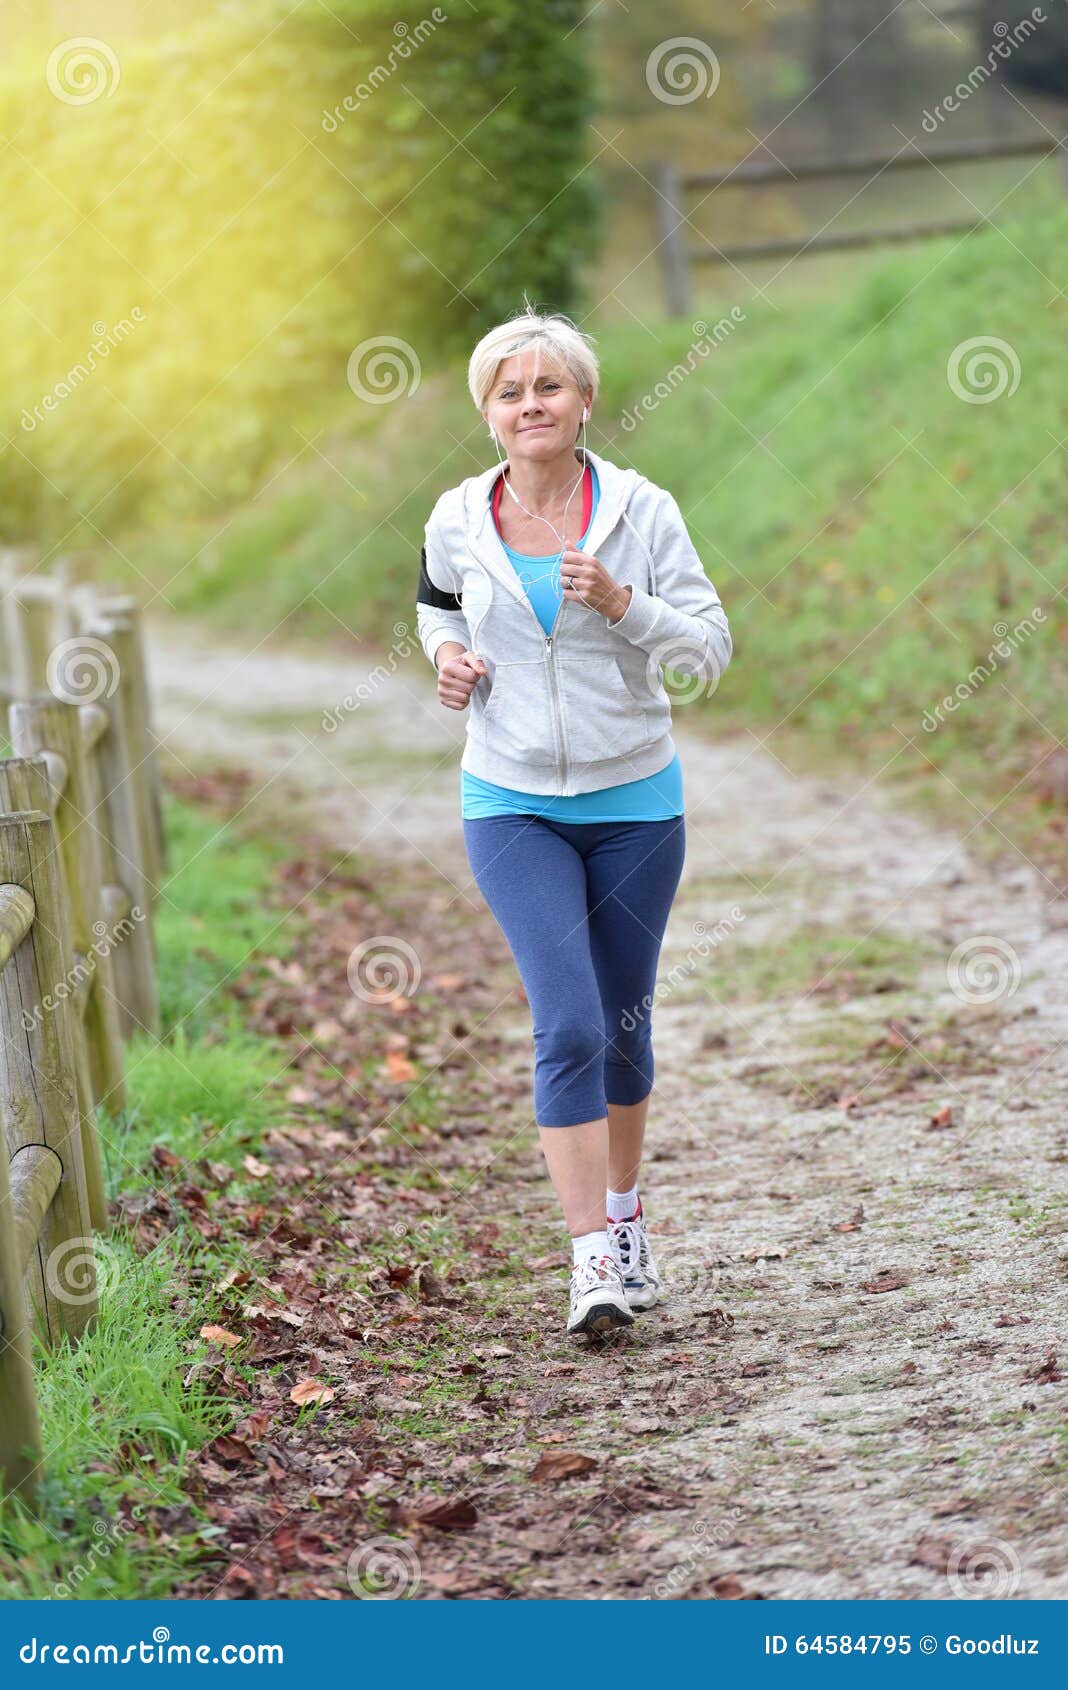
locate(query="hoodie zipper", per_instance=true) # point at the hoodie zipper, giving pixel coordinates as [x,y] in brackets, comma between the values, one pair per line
[562,763]
[556,702]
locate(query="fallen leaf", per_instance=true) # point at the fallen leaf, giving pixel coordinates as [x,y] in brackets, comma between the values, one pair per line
[855,1220]
[933,1552]
[562,1464]
[255,1168]
[398,1068]
[1013,1320]
[219,1335]
[887,1280]
[941,1118]
[1047,1372]
[446,1513]
[310,1390]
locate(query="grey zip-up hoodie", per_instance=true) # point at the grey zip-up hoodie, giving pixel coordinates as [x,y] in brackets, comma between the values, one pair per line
[584,707]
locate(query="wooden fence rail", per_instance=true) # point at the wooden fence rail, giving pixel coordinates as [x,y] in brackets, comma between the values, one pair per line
[672,188]
[81,856]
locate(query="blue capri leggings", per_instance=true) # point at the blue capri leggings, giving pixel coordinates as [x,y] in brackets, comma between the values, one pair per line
[583,906]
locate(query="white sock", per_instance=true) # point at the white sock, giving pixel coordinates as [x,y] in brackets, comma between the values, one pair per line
[588,1244]
[622,1204]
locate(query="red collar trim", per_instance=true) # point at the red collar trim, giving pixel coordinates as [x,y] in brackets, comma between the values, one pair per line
[587,500]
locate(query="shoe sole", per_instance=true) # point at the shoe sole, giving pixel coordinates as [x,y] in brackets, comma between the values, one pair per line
[602,1317]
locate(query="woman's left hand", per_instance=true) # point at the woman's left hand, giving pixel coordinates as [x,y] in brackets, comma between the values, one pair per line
[593,584]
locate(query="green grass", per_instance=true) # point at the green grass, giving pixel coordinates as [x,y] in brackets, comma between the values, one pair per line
[122,1409]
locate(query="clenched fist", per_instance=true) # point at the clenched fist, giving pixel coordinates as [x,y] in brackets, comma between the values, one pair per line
[458,674]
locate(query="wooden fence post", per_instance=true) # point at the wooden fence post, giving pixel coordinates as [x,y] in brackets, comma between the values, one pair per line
[27,784]
[38,1091]
[124,614]
[47,724]
[670,219]
[20,1428]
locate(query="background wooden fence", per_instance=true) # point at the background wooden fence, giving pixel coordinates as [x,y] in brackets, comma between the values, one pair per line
[81,857]
[673,188]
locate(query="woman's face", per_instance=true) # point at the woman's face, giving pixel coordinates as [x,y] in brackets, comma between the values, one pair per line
[535,407]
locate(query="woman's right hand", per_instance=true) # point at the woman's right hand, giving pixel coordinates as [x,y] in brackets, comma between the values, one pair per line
[458,675]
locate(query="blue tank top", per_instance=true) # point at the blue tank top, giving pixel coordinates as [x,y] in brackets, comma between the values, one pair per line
[656,797]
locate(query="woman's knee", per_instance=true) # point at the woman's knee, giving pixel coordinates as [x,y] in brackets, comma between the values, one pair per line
[570,1047]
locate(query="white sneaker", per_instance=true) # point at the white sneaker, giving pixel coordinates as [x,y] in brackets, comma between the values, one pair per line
[598,1299]
[629,1244]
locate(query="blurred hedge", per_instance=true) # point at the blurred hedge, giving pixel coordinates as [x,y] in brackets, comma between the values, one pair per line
[202,247]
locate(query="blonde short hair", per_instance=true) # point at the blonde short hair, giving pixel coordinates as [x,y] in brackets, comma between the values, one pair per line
[556,335]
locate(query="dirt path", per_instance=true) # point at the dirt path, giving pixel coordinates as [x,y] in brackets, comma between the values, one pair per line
[861,1150]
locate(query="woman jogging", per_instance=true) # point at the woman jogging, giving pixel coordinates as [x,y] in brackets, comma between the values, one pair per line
[553,589]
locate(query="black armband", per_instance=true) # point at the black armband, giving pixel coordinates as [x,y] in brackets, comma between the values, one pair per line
[429,594]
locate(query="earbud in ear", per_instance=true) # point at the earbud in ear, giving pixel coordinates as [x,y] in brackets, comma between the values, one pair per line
[585,413]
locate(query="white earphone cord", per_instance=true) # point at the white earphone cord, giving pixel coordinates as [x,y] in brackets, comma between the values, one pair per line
[561,538]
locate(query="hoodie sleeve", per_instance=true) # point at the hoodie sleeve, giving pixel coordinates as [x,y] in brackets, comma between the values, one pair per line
[438,613]
[683,624]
